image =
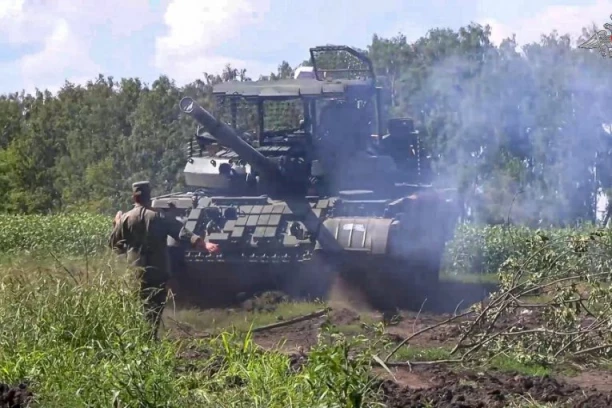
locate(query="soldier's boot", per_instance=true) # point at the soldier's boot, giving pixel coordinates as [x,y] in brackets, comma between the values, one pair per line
[155,301]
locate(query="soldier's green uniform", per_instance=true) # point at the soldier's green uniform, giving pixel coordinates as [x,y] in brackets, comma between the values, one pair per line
[142,235]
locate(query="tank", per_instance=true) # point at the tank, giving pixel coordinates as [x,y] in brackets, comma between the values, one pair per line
[314,192]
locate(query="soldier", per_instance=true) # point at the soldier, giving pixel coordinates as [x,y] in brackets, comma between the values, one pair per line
[141,233]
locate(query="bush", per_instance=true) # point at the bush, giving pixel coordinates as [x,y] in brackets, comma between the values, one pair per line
[555,286]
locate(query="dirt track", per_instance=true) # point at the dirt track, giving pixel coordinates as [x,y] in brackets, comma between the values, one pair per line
[439,385]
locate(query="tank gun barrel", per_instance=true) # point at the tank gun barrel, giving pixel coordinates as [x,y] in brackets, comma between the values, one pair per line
[228,137]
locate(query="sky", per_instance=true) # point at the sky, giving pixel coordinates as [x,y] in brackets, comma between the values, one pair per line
[43,43]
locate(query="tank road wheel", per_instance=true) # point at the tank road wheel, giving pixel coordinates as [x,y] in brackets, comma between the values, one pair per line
[381,285]
[179,280]
[309,280]
[413,279]
[404,284]
[429,274]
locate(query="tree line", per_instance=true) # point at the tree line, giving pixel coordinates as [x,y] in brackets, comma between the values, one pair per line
[523,132]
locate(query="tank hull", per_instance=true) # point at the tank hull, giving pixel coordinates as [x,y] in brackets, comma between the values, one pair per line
[390,255]
[381,283]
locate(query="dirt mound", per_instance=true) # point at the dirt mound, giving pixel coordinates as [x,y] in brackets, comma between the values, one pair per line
[299,336]
[264,302]
[491,390]
[297,361]
[14,397]
[343,317]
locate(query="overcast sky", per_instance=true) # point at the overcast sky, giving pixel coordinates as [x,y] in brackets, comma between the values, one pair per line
[44,42]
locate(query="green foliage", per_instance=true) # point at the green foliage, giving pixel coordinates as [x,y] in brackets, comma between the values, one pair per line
[78,337]
[560,296]
[491,249]
[71,234]
[81,339]
[239,374]
[335,371]
[554,302]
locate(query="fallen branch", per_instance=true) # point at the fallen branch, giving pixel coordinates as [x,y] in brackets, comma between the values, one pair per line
[426,329]
[289,322]
[410,364]
[480,319]
[592,349]
[557,281]
[189,330]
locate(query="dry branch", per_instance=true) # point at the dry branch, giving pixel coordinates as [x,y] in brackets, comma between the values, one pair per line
[410,364]
[424,330]
[298,319]
[566,324]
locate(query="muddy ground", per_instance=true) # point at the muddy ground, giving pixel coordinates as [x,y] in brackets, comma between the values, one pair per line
[446,385]
[14,396]
[436,385]
[444,388]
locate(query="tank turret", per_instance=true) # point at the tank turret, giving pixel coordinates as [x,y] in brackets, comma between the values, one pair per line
[228,138]
[278,175]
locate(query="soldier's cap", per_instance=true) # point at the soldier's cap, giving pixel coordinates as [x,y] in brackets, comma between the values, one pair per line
[141,188]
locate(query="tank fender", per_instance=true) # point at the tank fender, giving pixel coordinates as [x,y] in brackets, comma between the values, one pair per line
[369,235]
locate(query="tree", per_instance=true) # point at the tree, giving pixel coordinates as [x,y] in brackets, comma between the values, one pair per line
[523,128]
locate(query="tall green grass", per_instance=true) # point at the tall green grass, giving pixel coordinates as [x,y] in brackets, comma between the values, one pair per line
[78,336]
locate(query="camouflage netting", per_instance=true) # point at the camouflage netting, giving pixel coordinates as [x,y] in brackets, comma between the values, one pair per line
[278,114]
[340,65]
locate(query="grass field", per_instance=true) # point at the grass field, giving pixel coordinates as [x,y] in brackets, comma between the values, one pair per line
[74,333]
[78,337]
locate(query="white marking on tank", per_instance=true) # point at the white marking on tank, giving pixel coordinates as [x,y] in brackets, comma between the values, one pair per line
[350,227]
